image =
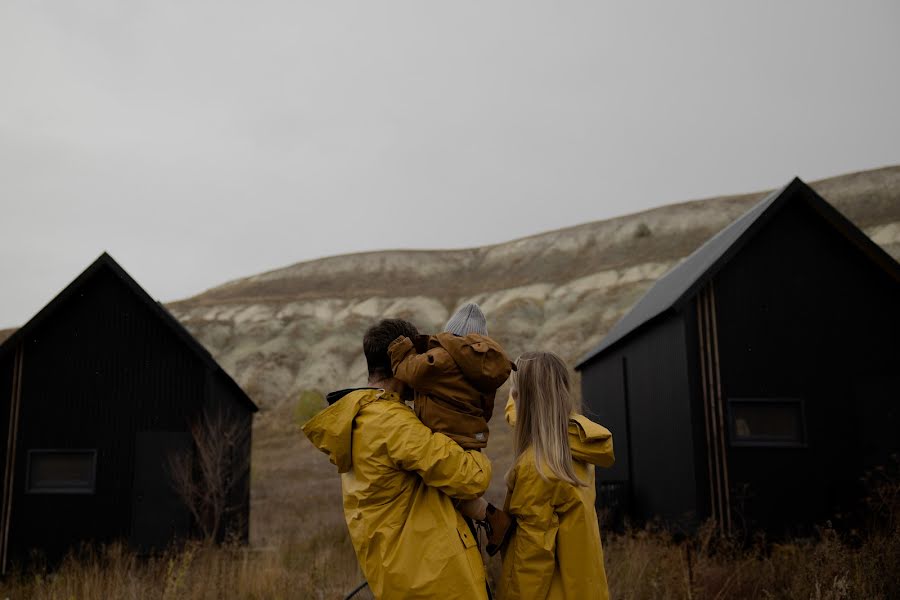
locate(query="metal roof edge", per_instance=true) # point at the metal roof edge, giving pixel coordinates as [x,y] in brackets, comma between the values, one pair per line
[767,208]
[53,304]
[854,234]
[609,346]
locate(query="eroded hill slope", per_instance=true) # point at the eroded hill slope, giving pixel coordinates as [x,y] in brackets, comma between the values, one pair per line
[300,327]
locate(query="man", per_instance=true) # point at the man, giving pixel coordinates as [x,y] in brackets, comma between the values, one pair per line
[398,478]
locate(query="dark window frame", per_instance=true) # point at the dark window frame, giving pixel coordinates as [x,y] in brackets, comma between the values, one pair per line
[88,490]
[763,441]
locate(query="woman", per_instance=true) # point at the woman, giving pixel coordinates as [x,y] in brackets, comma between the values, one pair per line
[555,550]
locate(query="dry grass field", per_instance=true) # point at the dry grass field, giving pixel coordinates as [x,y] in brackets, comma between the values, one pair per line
[640,564]
[300,549]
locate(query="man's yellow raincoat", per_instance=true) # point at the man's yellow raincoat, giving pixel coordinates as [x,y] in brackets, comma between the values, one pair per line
[398,478]
[555,551]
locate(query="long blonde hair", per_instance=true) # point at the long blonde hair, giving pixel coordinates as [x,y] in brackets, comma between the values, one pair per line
[544,402]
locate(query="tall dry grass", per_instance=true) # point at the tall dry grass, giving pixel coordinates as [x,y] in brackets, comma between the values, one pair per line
[640,565]
[643,565]
[322,566]
[300,549]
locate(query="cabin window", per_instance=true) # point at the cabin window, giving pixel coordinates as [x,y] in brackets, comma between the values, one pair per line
[61,471]
[767,422]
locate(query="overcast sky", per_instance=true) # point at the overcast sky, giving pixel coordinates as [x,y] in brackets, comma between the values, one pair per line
[198,142]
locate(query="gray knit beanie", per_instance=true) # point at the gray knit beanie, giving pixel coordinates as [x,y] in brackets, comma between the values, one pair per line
[468,319]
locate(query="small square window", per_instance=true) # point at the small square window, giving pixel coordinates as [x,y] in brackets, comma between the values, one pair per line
[767,422]
[61,471]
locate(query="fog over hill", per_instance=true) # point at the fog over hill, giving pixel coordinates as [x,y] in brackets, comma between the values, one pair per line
[300,327]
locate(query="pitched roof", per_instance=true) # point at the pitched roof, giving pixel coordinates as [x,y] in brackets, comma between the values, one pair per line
[105,261]
[679,284]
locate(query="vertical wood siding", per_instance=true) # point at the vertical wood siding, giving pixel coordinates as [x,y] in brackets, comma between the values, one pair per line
[100,369]
[653,435]
[803,314]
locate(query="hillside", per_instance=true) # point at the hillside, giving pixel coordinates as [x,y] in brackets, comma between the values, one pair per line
[300,327]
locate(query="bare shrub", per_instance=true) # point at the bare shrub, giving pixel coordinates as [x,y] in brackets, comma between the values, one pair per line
[882,499]
[642,230]
[208,478]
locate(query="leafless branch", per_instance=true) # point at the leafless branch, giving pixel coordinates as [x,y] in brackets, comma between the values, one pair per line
[206,479]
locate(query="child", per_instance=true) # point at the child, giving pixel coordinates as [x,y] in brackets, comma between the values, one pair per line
[555,551]
[455,375]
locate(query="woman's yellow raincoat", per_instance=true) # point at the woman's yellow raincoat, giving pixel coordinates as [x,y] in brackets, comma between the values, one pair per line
[398,478]
[555,551]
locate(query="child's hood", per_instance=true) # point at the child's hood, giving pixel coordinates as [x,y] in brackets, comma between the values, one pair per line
[480,358]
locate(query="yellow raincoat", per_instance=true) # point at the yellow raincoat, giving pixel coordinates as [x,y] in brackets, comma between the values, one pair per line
[555,551]
[397,478]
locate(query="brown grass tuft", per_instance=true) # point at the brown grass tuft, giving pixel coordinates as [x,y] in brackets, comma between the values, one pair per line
[640,565]
[300,549]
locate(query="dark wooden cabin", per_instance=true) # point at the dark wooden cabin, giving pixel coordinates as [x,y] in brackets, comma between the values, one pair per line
[758,379]
[97,391]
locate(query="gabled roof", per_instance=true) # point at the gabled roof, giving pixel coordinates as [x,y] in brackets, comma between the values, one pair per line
[105,261]
[682,282]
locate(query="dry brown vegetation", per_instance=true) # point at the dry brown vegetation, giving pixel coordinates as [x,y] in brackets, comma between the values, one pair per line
[207,478]
[640,564]
[302,550]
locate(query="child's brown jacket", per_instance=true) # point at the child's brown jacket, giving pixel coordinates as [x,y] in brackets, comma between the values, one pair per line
[455,379]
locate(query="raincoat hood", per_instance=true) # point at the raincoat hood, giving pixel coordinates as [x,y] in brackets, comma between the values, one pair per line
[330,430]
[481,360]
[589,442]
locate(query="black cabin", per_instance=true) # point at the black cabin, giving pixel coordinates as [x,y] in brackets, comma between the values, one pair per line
[98,393]
[758,379]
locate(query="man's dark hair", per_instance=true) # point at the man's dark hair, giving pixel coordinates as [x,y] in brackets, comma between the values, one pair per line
[377,340]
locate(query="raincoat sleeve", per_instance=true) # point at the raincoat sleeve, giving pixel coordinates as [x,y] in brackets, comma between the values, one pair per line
[533,547]
[509,411]
[439,461]
[422,372]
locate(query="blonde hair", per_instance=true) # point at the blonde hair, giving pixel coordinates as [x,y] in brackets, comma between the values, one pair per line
[543,405]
